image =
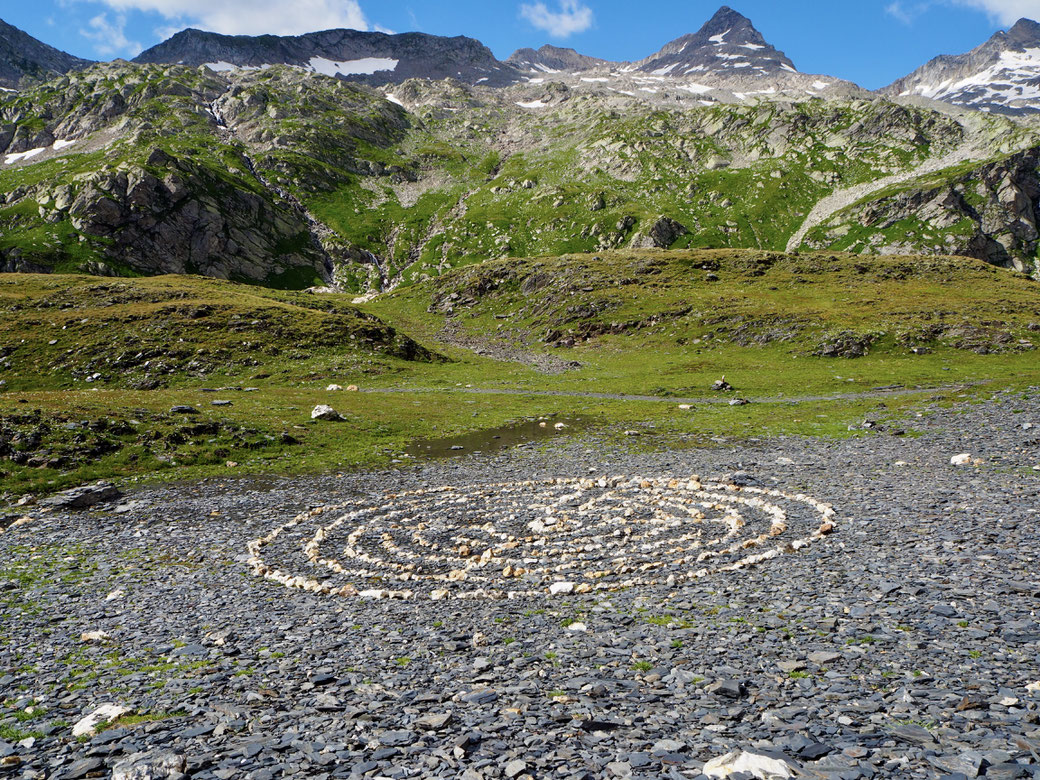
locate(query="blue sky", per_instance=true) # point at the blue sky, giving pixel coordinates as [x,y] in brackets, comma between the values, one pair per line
[871,42]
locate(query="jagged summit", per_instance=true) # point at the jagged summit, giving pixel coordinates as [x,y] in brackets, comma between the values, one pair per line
[549,59]
[372,57]
[727,44]
[1000,76]
[23,58]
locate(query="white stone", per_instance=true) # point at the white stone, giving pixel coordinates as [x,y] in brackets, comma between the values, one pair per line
[94,636]
[762,767]
[560,588]
[334,388]
[115,595]
[559,426]
[579,628]
[961,460]
[103,714]
[324,412]
[1033,687]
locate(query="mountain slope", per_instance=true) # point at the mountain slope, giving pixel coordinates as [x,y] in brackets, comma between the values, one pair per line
[23,58]
[1000,76]
[288,178]
[371,57]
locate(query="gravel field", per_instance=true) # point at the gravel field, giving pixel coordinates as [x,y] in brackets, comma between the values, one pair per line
[646,624]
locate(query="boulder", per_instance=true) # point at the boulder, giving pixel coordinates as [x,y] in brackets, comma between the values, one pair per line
[327,413]
[661,235]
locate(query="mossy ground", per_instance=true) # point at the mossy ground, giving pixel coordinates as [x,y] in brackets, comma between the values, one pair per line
[662,324]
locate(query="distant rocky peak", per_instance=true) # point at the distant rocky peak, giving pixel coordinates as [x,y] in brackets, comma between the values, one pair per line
[727,44]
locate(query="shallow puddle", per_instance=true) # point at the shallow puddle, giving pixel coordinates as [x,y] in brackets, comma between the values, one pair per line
[494,439]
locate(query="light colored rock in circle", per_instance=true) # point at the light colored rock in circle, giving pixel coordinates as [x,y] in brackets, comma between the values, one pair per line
[759,766]
[106,713]
[963,459]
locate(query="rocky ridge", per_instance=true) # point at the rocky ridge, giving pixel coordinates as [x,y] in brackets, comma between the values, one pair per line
[371,57]
[25,60]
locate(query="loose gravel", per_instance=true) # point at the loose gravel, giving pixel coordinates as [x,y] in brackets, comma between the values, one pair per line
[903,643]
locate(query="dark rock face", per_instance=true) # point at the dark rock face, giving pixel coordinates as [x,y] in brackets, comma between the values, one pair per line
[184,219]
[23,58]
[370,57]
[728,43]
[553,58]
[1000,76]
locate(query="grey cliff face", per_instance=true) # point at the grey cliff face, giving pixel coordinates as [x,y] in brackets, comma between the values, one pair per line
[25,59]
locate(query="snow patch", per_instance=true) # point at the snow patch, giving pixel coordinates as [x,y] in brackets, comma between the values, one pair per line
[720,39]
[536,81]
[821,84]
[16,156]
[785,66]
[532,104]
[362,67]
[666,69]
[220,67]
[595,80]
[752,46]
[696,89]
[395,99]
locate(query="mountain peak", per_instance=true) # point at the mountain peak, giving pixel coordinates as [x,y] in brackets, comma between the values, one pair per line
[1024,34]
[728,43]
[725,18]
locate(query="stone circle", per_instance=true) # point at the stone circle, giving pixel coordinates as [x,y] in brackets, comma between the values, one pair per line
[537,537]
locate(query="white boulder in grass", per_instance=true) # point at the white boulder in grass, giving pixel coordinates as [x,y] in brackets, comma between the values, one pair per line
[325,412]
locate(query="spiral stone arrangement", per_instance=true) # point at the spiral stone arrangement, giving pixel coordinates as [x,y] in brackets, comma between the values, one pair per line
[536,537]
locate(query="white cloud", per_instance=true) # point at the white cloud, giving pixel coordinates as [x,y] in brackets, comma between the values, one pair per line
[573,17]
[110,36]
[253,17]
[1006,12]
[904,13]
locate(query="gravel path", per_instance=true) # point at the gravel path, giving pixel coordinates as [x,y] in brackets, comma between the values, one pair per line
[723,398]
[902,642]
[840,199]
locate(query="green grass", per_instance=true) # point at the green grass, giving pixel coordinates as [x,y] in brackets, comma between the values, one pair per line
[639,323]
